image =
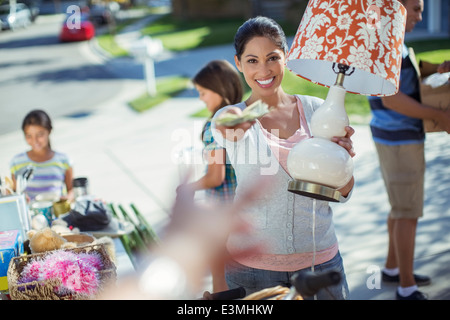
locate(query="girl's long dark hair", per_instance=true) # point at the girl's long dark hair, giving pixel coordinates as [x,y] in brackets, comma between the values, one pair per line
[222,78]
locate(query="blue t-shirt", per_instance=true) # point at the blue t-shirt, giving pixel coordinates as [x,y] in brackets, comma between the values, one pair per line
[393,128]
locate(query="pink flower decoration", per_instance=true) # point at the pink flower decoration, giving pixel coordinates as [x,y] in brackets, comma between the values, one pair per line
[31,272]
[93,259]
[78,273]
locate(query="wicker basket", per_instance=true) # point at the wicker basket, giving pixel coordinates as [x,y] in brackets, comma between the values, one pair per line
[45,290]
[274,293]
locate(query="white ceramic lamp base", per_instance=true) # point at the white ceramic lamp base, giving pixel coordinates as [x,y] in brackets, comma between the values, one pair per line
[319,166]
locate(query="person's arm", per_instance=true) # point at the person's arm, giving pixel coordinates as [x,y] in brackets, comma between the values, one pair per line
[346,143]
[68,180]
[346,190]
[14,182]
[215,175]
[233,133]
[410,107]
[444,67]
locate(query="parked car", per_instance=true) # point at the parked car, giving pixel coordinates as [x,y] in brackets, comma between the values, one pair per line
[72,31]
[33,5]
[15,16]
[103,13]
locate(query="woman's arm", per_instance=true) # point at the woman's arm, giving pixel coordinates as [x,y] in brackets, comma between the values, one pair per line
[345,190]
[237,132]
[346,143]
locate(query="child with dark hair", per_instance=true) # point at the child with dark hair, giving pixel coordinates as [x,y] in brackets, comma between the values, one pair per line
[218,84]
[52,170]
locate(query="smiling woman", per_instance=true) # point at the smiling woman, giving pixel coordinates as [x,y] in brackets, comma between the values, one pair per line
[280,221]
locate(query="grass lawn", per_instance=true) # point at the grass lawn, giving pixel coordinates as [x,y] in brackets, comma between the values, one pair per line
[107,43]
[434,51]
[165,88]
[177,35]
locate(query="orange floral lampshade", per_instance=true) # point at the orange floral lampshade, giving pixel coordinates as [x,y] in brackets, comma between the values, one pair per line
[364,34]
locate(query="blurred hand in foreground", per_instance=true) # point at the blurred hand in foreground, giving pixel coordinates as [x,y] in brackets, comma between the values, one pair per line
[194,238]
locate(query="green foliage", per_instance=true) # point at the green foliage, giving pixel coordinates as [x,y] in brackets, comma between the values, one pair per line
[166,88]
[425,46]
[202,113]
[107,43]
[354,104]
[178,35]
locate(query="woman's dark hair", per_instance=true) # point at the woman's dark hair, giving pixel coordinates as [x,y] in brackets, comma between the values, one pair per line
[259,27]
[38,118]
[222,78]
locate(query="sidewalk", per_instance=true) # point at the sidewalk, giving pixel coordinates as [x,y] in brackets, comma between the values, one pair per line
[361,222]
[132,158]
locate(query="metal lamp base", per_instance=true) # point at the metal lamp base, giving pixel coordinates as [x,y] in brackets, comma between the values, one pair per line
[314,190]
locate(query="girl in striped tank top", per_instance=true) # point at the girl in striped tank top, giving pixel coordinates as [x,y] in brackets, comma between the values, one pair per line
[52,170]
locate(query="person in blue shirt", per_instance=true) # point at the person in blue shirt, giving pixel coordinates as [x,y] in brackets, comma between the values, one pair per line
[398,133]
